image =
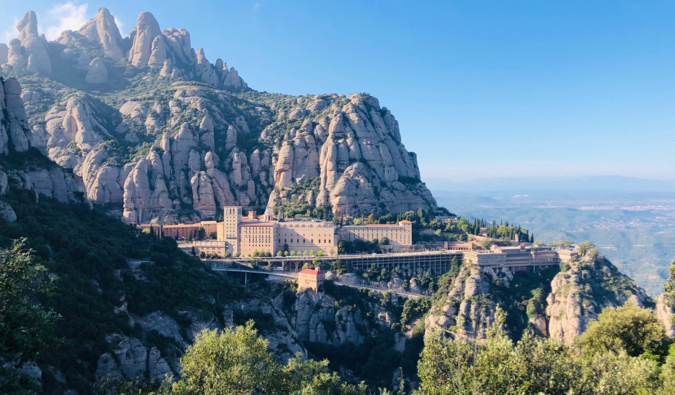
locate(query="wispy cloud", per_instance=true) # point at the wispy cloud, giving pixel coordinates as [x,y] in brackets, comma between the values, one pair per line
[256,5]
[10,32]
[120,25]
[67,16]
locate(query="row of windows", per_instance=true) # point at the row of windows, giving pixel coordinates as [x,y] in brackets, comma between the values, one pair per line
[304,241]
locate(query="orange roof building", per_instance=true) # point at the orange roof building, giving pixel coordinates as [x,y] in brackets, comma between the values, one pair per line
[311,279]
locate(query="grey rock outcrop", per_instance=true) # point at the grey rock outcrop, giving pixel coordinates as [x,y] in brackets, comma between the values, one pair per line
[131,360]
[7,213]
[316,319]
[34,46]
[15,56]
[233,79]
[50,180]
[97,73]
[4,53]
[143,35]
[14,130]
[571,305]
[103,30]
[665,314]
[463,311]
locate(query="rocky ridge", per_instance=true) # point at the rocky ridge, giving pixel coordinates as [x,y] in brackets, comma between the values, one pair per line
[558,307]
[149,124]
[21,166]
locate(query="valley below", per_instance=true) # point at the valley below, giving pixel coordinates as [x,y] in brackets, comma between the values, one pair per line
[635,230]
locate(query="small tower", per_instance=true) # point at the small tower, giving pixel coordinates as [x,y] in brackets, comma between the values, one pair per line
[231,222]
[268,216]
[311,279]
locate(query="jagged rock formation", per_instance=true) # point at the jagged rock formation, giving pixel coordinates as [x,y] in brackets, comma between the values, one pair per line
[104,31]
[316,319]
[665,314]
[579,294]
[130,359]
[33,45]
[467,312]
[185,145]
[560,306]
[46,178]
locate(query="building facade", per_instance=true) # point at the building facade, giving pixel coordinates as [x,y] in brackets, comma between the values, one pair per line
[398,235]
[251,235]
[311,279]
[515,258]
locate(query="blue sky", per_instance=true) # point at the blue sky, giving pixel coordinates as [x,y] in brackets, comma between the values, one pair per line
[480,88]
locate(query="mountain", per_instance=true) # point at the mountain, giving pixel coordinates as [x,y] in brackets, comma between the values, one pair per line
[157,132]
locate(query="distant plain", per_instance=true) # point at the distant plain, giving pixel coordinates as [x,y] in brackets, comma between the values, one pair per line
[631,220]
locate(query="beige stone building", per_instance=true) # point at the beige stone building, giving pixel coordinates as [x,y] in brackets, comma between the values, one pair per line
[399,235]
[311,279]
[304,236]
[257,236]
[516,258]
[246,236]
[205,246]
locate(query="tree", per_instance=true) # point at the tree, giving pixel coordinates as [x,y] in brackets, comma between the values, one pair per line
[669,286]
[535,365]
[25,325]
[628,328]
[234,361]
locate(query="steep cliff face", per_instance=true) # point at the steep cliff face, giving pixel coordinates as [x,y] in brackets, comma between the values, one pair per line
[665,313]
[21,166]
[148,123]
[555,303]
[579,294]
[466,311]
[130,358]
[317,318]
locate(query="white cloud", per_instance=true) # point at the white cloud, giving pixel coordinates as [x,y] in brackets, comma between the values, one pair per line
[11,32]
[68,16]
[120,25]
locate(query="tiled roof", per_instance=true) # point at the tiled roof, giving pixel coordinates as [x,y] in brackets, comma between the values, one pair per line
[311,271]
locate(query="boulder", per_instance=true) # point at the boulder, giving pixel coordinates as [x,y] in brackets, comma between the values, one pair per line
[4,53]
[97,73]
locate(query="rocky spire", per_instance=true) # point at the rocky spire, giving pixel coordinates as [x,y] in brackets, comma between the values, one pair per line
[4,53]
[34,45]
[143,35]
[27,26]
[103,30]
[14,126]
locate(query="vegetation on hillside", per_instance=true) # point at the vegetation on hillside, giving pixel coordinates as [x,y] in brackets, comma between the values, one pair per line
[536,365]
[92,264]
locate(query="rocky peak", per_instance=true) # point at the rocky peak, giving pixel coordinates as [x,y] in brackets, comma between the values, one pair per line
[29,49]
[27,26]
[145,32]
[103,30]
